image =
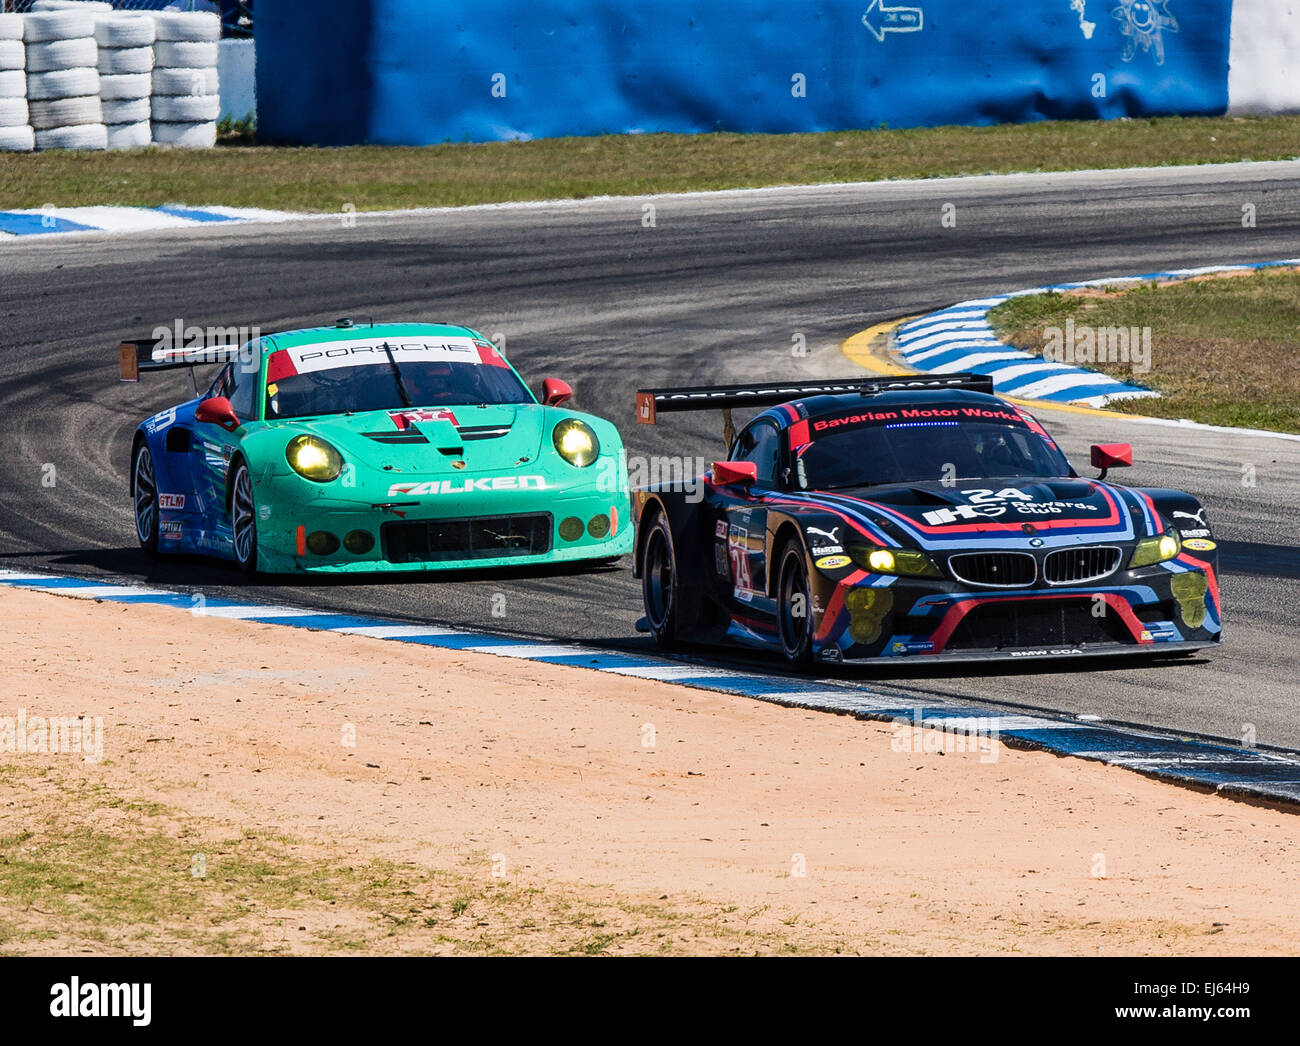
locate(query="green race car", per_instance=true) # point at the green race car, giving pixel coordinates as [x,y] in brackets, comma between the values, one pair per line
[377,447]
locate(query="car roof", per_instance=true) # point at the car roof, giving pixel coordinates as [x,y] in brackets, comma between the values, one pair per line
[361,330]
[813,407]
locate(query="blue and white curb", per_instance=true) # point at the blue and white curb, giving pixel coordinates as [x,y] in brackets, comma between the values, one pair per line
[1244,773]
[46,221]
[960,339]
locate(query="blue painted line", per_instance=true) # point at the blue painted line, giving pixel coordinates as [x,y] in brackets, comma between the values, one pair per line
[194,213]
[452,642]
[1078,392]
[38,224]
[1237,772]
[316,622]
[597,660]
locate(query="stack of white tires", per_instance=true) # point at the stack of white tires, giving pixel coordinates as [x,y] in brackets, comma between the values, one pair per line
[63,79]
[126,77]
[16,134]
[186,101]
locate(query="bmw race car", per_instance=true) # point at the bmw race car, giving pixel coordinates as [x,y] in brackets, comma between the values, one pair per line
[373,447]
[915,518]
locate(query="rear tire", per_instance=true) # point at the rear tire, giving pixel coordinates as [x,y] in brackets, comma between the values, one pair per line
[794,607]
[243,520]
[144,486]
[659,588]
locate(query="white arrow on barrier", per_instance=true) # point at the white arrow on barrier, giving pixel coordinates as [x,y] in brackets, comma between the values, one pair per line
[881,19]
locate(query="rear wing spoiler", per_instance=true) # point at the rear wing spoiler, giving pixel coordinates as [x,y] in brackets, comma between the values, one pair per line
[149,354]
[651,402]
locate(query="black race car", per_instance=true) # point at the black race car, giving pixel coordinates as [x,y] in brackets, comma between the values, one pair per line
[915,517]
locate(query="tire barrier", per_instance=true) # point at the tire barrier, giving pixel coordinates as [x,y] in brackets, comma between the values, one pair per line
[186,102]
[16,134]
[63,103]
[76,74]
[126,60]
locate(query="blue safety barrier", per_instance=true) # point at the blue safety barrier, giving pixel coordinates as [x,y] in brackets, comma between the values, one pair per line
[424,71]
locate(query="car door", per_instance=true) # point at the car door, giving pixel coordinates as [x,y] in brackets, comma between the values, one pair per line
[745,515]
[213,450]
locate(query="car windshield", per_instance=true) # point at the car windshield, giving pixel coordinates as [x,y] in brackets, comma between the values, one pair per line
[384,384]
[866,450]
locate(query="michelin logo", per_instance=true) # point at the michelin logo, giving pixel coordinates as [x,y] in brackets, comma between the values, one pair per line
[467,486]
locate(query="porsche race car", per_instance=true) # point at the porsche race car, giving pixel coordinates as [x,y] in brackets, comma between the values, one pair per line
[915,518]
[375,447]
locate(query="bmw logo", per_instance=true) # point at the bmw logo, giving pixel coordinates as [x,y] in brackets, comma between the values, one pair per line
[1036,542]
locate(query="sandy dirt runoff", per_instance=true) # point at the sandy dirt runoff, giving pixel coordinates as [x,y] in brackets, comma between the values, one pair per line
[272,790]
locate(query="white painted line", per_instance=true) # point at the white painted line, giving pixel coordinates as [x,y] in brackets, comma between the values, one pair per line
[532,650]
[395,631]
[975,360]
[241,612]
[1002,723]
[915,337]
[670,672]
[118,219]
[253,214]
[1062,383]
[932,342]
[936,318]
[848,700]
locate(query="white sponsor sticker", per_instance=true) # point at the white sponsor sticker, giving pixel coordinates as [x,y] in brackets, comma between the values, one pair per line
[466,486]
[331,354]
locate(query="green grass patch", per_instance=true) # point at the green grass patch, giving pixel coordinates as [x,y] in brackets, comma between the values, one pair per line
[369,178]
[1223,350]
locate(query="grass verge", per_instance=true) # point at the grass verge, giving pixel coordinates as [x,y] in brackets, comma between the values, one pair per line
[85,870]
[369,178]
[1222,348]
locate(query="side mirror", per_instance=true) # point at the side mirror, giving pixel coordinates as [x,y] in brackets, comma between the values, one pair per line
[1106,456]
[555,392]
[741,472]
[217,411]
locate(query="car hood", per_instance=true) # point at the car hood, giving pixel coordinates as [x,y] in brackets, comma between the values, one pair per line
[1009,509]
[432,441]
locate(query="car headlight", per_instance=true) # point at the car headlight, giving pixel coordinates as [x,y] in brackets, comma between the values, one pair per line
[576,442]
[1154,550]
[313,459]
[902,561]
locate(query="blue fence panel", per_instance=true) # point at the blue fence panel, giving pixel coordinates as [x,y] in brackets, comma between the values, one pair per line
[424,71]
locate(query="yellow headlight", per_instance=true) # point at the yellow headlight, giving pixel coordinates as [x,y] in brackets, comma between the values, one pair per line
[313,459]
[1154,550]
[576,442]
[903,561]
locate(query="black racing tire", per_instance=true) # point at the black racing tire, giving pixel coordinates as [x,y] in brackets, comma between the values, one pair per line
[794,606]
[243,519]
[144,493]
[659,587]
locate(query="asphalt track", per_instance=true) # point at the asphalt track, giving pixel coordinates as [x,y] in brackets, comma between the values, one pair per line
[716,290]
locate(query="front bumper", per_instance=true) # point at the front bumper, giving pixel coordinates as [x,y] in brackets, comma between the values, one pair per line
[286,527]
[1163,609]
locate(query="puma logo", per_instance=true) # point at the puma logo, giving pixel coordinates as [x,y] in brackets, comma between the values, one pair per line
[830,537]
[1197,517]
